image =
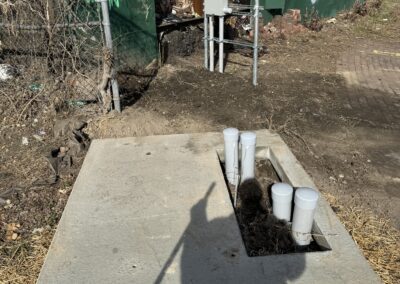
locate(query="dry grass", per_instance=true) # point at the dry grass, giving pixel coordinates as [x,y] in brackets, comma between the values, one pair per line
[381,21]
[24,258]
[377,238]
[21,260]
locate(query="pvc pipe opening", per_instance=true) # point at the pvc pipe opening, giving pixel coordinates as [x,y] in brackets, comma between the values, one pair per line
[282,196]
[306,200]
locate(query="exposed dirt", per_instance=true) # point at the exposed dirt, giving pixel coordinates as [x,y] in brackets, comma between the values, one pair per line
[263,234]
[352,154]
[335,144]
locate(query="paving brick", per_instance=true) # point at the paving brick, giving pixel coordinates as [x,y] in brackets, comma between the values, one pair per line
[370,71]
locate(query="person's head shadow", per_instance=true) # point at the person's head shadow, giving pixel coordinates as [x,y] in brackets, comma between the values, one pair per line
[213,250]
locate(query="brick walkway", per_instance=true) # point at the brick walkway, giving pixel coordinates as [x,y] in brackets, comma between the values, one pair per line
[375,67]
[372,73]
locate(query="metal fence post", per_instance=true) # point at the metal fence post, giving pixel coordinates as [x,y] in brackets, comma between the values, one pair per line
[109,45]
[255,55]
[205,41]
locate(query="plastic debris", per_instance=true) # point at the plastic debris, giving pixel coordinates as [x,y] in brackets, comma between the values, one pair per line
[35,87]
[25,141]
[8,72]
[77,103]
[331,21]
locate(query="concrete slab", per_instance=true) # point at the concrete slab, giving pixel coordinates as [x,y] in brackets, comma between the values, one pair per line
[157,210]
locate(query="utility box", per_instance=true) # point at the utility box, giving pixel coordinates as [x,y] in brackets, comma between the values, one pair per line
[215,7]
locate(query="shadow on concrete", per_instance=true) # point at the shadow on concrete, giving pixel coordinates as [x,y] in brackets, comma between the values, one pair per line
[213,252]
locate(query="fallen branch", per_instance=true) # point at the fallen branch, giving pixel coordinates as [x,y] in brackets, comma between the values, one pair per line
[45,27]
[103,87]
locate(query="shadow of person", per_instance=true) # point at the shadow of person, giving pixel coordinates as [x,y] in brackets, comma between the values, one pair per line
[213,252]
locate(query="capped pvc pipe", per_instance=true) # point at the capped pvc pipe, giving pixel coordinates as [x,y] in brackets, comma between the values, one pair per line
[282,196]
[305,200]
[231,141]
[248,143]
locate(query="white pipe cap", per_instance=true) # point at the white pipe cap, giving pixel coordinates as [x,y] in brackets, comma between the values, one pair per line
[248,138]
[306,198]
[231,134]
[282,192]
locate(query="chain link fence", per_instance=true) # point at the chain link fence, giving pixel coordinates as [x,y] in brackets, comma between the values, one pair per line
[60,39]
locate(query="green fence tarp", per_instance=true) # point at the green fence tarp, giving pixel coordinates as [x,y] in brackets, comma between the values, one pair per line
[134,32]
[325,8]
[133,27]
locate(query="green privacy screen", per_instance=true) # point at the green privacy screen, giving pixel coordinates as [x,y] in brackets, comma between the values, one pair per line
[134,32]
[325,8]
[133,27]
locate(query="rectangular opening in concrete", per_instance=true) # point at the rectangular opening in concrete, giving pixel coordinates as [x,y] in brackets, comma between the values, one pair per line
[262,233]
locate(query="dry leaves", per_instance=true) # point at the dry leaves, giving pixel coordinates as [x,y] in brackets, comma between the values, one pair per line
[12,231]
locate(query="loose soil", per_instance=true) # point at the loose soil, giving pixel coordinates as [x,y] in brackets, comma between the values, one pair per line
[263,234]
[351,154]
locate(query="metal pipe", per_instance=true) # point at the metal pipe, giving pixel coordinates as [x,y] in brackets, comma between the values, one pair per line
[245,44]
[212,43]
[109,45]
[255,57]
[221,44]
[205,41]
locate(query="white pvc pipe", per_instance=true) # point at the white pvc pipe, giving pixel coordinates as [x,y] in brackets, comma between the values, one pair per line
[211,43]
[305,200]
[221,44]
[248,143]
[231,141]
[282,196]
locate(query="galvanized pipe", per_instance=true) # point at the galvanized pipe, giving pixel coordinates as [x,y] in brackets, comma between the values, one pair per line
[212,43]
[221,44]
[205,41]
[106,23]
[235,42]
[209,39]
[109,45]
[255,56]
